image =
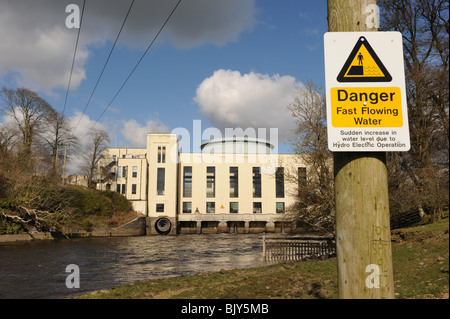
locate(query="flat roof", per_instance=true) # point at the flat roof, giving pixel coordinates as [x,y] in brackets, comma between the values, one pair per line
[237,139]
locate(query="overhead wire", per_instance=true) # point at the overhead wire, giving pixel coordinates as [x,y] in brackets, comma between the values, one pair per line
[73,59]
[139,61]
[70,80]
[104,66]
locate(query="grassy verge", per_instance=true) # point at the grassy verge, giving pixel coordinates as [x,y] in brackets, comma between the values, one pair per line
[420,257]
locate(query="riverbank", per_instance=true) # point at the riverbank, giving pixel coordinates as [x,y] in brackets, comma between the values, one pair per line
[421,270]
[12,238]
[136,227]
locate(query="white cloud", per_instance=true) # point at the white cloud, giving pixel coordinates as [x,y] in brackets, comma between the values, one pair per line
[82,124]
[36,45]
[36,48]
[136,134]
[229,99]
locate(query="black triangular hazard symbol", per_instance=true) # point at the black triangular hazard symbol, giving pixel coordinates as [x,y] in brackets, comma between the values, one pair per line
[363,65]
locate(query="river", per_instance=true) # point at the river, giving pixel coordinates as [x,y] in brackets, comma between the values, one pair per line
[37,269]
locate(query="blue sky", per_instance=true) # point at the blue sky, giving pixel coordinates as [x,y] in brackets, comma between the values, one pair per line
[234,63]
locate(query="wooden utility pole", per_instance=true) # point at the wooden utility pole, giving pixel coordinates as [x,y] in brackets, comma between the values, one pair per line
[363,238]
[64,165]
[56,160]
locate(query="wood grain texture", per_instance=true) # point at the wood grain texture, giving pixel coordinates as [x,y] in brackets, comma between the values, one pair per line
[348,15]
[363,236]
[362,224]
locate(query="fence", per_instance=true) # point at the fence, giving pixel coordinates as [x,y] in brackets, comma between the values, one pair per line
[275,249]
[405,219]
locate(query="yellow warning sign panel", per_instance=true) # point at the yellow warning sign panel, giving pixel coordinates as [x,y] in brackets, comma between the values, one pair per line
[363,65]
[366,107]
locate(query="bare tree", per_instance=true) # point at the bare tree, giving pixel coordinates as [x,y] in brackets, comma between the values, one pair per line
[6,139]
[424,26]
[27,110]
[315,202]
[425,29]
[58,139]
[99,140]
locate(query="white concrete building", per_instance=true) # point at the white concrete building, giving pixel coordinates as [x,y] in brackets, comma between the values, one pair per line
[231,185]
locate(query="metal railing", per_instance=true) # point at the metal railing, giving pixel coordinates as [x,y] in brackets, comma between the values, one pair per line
[282,249]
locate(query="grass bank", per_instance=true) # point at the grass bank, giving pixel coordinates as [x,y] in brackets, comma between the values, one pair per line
[46,204]
[421,270]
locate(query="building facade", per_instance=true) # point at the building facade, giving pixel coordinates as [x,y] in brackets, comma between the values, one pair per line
[232,185]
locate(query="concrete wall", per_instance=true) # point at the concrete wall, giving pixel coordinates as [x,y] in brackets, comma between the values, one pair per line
[24,237]
[136,227]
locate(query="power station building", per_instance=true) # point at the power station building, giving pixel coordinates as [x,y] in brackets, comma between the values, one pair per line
[235,185]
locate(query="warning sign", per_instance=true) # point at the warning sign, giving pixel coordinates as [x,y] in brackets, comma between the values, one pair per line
[366,95]
[363,65]
[366,107]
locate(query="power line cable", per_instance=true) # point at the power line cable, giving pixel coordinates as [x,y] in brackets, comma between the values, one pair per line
[73,59]
[140,60]
[104,66]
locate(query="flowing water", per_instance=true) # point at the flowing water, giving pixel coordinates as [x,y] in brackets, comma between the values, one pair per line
[38,269]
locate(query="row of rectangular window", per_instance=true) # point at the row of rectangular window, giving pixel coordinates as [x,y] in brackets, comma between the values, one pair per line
[211,207]
[128,156]
[211,181]
[234,207]
[121,188]
[234,182]
[122,171]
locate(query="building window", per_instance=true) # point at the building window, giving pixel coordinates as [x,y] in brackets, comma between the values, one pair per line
[257,208]
[160,180]
[187,207]
[280,207]
[257,182]
[161,154]
[133,189]
[210,207]
[118,188]
[279,182]
[134,172]
[187,181]
[234,181]
[160,208]
[123,189]
[210,181]
[234,207]
[122,171]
